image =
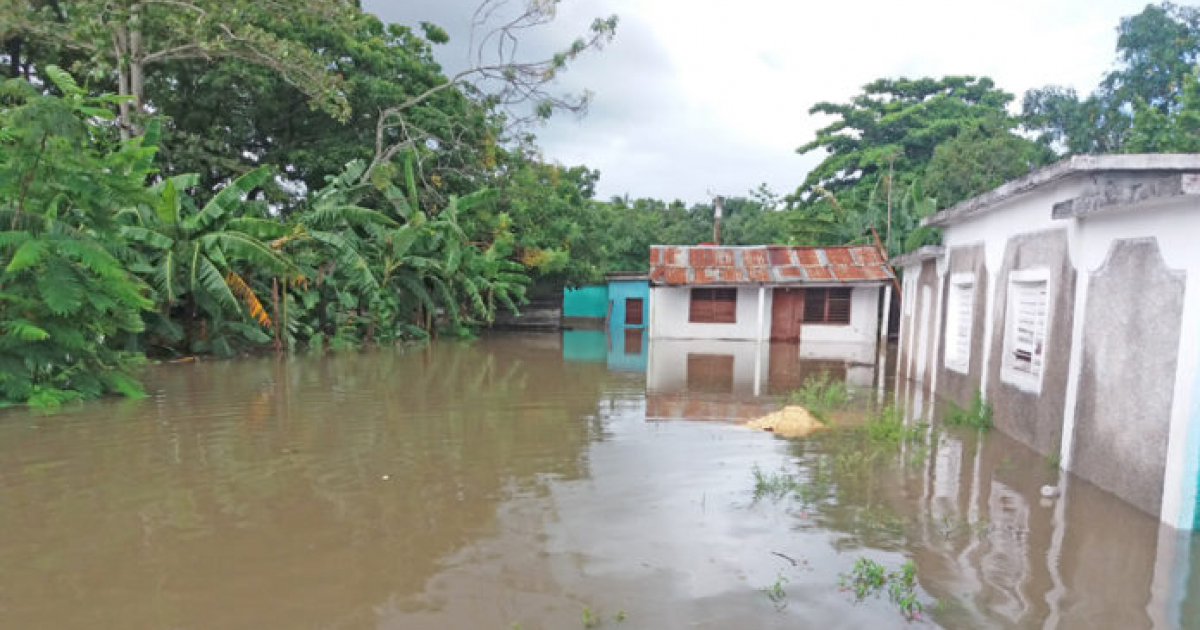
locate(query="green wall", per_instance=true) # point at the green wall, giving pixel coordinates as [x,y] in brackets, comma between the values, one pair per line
[586,301]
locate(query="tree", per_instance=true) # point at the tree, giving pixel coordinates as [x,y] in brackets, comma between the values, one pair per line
[1157,54]
[882,144]
[198,260]
[129,38]
[68,303]
[977,160]
[894,126]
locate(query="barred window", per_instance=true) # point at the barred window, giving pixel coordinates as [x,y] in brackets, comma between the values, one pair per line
[827,306]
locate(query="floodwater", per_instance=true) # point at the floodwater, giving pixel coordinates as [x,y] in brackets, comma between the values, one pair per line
[541,482]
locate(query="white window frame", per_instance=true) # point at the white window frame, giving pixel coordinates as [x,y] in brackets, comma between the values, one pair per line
[1023,379]
[960,322]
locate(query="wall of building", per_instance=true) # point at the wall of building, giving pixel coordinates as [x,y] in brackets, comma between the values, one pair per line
[1117,400]
[863,326]
[1034,415]
[1130,338]
[956,385]
[669,314]
[621,290]
[587,301]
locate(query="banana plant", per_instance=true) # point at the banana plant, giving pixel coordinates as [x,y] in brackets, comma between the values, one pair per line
[201,263]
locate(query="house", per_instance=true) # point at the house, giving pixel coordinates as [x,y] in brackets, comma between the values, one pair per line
[1070,299]
[628,299]
[620,303]
[825,298]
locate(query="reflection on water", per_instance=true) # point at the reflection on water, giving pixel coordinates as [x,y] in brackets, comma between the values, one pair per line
[516,480]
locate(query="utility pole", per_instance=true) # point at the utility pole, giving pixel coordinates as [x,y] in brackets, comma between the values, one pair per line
[717,221]
[891,184]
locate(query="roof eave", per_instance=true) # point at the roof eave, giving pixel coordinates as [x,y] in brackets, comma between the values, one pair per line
[1076,165]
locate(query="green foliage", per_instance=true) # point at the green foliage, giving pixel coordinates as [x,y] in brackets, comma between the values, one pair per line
[887,427]
[882,145]
[821,395]
[68,301]
[776,593]
[976,416]
[1147,103]
[976,161]
[774,486]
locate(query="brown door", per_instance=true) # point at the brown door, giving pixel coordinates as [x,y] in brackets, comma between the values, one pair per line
[787,314]
[634,312]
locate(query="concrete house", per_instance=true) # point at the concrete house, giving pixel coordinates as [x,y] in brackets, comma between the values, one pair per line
[628,300]
[1070,298]
[825,298]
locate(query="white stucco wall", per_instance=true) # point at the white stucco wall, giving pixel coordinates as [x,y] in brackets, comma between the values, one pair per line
[669,318]
[863,326]
[669,315]
[1174,223]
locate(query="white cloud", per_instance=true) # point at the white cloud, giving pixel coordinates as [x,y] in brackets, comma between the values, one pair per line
[698,97]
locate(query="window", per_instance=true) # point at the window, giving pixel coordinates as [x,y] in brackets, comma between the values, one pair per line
[633,312]
[1025,329]
[827,306]
[713,306]
[960,317]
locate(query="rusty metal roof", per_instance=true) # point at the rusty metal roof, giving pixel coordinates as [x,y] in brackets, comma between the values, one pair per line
[766,264]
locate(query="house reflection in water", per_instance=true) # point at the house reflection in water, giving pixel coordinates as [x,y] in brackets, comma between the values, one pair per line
[981,533]
[740,380]
[620,349]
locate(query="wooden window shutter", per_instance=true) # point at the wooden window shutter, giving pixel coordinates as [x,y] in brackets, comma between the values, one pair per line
[713,306]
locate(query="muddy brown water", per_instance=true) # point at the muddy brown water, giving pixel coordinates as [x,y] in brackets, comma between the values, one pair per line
[516,482]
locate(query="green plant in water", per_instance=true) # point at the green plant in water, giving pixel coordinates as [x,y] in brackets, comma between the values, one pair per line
[888,427]
[774,486]
[869,577]
[588,618]
[820,394]
[1054,461]
[978,415]
[775,592]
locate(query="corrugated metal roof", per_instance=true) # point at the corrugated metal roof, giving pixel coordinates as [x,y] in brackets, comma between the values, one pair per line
[766,264]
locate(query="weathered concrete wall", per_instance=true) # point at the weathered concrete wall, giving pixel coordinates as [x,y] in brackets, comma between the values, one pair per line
[925,324]
[1131,338]
[952,384]
[1035,418]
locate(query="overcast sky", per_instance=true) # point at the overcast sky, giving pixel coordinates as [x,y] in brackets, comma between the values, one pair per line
[696,98]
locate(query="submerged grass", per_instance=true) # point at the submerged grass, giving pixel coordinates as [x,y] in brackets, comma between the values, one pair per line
[978,415]
[774,485]
[869,578]
[821,394]
[776,594]
[887,427]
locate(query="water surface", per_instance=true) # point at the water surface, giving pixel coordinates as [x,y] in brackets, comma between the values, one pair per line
[521,480]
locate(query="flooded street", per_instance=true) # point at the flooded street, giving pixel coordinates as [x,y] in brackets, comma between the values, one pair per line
[544,482]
